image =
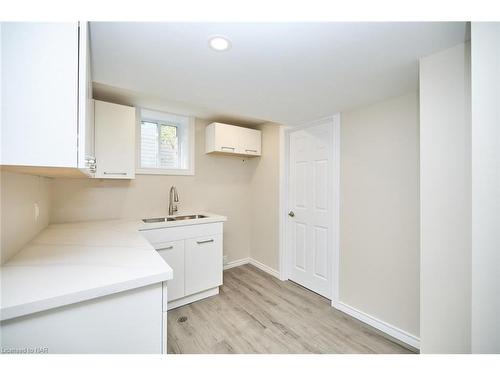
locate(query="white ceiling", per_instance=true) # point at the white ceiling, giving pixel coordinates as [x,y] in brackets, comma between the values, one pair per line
[283,72]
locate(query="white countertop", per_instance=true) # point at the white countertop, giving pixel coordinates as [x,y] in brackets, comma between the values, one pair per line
[68,263]
[74,262]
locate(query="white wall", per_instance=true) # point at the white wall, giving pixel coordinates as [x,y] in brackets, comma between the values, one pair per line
[445,194]
[19,193]
[265,199]
[485,82]
[222,184]
[245,190]
[379,211]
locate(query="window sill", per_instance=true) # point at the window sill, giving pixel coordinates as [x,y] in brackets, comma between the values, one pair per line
[166,172]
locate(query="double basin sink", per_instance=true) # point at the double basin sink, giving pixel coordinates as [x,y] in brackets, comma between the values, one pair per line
[173,218]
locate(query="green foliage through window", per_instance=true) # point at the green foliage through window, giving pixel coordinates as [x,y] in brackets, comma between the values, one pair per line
[159,145]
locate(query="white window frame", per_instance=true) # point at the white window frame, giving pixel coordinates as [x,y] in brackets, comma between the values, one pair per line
[159,116]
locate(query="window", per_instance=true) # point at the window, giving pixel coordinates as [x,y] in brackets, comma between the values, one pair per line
[166,144]
[159,145]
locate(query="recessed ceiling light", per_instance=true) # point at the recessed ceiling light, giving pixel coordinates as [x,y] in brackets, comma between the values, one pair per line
[219,43]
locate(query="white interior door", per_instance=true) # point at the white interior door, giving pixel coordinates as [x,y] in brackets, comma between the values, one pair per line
[310,204]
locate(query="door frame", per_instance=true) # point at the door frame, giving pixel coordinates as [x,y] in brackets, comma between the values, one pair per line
[284,251]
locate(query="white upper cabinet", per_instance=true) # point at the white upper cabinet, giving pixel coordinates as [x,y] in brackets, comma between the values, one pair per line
[230,139]
[46,95]
[250,141]
[114,140]
[86,149]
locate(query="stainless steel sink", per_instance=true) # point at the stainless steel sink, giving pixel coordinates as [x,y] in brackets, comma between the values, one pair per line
[174,218]
[188,217]
[158,219]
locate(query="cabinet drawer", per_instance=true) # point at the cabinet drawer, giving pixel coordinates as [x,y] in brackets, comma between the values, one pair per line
[173,254]
[164,235]
[203,260]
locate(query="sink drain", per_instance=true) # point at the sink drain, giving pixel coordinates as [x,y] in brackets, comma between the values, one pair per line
[182,319]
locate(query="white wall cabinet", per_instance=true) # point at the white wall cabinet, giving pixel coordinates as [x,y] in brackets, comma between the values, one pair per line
[250,141]
[114,140]
[46,91]
[86,144]
[229,139]
[194,252]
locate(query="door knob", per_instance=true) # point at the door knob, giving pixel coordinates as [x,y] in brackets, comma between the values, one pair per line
[291,214]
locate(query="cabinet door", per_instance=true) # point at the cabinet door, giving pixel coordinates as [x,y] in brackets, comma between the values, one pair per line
[114,140]
[250,141]
[39,94]
[86,153]
[226,138]
[173,254]
[203,257]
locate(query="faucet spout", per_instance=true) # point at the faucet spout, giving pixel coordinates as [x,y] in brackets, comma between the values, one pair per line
[173,199]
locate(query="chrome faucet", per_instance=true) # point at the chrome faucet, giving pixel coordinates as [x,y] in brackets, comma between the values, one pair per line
[173,199]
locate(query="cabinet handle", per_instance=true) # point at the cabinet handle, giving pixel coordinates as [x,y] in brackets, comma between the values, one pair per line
[166,248]
[251,150]
[228,148]
[206,241]
[117,173]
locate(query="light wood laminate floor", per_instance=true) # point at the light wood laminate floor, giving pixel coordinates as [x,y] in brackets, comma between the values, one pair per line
[257,313]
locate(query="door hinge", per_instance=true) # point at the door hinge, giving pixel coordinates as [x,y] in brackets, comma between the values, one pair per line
[91,164]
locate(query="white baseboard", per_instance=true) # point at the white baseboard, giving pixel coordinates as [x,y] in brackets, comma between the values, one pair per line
[263,267]
[236,263]
[253,262]
[387,328]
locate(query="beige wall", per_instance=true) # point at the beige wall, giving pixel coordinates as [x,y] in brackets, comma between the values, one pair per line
[265,199]
[19,193]
[222,184]
[445,185]
[379,221]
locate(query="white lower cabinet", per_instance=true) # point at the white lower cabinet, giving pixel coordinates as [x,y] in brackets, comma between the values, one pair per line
[129,322]
[194,252]
[164,347]
[173,254]
[203,263]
